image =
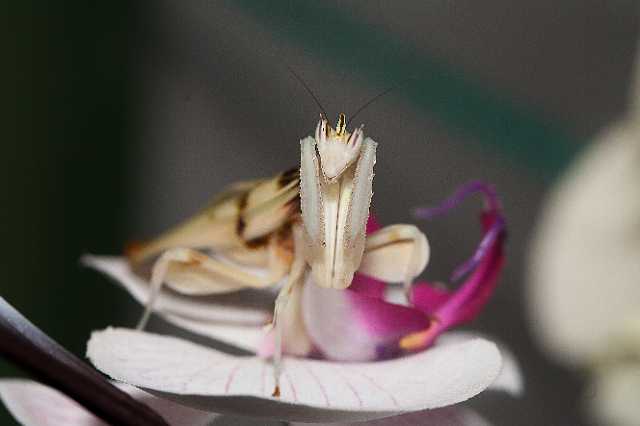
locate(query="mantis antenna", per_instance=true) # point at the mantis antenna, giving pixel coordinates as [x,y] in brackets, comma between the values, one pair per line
[308,89]
[370,101]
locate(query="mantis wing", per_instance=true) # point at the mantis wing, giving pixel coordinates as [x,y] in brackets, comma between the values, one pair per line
[243,216]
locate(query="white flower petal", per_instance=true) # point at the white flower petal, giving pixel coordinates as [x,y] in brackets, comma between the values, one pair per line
[34,404]
[510,379]
[219,308]
[447,416]
[585,264]
[311,390]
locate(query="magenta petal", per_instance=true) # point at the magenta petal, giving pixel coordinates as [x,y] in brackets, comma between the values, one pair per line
[372,224]
[367,286]
[465,304]
[429,298]
[363,284]
[348,326]
[386,321]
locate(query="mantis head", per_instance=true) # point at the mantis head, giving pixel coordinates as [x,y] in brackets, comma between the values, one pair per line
[337,147]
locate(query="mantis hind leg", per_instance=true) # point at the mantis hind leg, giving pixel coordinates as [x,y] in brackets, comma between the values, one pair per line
[188,271]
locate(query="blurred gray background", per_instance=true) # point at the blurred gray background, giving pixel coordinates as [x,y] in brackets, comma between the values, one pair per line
[126,118]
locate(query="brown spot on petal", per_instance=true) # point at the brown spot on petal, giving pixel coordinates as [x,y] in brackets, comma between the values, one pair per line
[276,392]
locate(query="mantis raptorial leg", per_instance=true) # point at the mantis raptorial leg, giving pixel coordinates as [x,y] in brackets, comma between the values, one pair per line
[395,254]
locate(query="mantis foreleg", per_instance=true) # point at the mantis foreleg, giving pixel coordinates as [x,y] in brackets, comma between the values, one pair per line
[295,278]
[396,254]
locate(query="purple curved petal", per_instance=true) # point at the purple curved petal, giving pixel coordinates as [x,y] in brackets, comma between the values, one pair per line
[463,305]
[470,188]
[492,205]
[450,308]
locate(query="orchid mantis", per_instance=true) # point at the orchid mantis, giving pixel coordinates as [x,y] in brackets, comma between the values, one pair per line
[309,220]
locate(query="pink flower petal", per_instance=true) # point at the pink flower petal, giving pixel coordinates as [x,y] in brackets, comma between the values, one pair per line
[368,286]
[372,224]
[349,326]
[429,297]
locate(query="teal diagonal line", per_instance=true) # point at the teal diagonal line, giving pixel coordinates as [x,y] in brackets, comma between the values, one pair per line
[463,106]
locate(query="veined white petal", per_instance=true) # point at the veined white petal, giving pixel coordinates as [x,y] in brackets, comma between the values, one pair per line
[311,390]
[510,379]
[34,404]
[230,308]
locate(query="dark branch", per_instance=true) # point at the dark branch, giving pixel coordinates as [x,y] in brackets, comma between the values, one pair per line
[28,347]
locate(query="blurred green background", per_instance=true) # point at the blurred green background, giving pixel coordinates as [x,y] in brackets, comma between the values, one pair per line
[125,117]
[66,105]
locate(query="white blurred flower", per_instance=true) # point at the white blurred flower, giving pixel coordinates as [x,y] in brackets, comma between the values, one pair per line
[584,277]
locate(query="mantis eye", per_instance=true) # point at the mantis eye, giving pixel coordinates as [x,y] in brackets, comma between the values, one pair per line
[338,148]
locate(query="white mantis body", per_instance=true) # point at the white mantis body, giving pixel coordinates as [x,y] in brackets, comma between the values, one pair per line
[311,220]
